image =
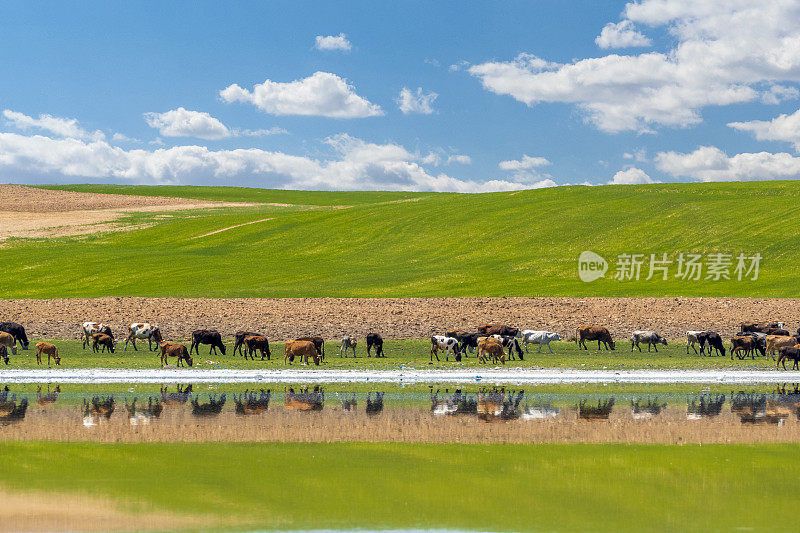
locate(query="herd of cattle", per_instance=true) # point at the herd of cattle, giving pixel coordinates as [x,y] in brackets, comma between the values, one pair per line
[495,342]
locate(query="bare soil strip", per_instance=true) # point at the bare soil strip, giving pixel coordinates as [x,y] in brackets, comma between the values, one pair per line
[396,318]
[40,213]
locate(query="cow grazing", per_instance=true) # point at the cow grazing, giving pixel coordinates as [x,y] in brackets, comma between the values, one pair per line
[238,340]
[50,350]
[173,349]
[302,350]
[593,333]
[746,344]
[511,344]
[487,330]
[788,352]
[256,342]
[101,340]
[4,353]
[7,341]
[144,330]
[448,345]
[16,331]
[775,342]
[530,336]
[714,341]
[319,344]
[207,336]
[348,343]
[650,338]
[376,341]
[90,328]
[490,347]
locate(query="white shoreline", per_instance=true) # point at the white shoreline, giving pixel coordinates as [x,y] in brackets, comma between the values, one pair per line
[493,375]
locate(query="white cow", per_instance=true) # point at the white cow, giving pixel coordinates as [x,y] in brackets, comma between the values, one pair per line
[448,345]
[530,336]
[348,343]
[143,330]
[692,338]
[90,328]
[648,337]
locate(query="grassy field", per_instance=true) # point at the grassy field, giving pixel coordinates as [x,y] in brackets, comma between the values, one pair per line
[412,244]
[402,353]
[457,486]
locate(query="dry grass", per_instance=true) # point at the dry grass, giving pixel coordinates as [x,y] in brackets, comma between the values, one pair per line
[177,424]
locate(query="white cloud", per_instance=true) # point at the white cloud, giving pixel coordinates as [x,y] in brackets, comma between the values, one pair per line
[321,94]
[639,155]
[725,51]
[709,163]
[461,159]
[631,176]
[332,42]
[185,123]
[527,162]
[63,127]
[354,165]
[781,128]
[460,65]
[621,35]
[416,102]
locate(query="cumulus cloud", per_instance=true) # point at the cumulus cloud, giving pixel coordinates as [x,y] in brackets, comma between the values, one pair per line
[709,163]
[416,101]
[354,164]
[631,176]
[62,127]
[332,42]
[527,162]
[321,94]
[461,159]
[184,123]
[725,52]
[621,35]
[784,128]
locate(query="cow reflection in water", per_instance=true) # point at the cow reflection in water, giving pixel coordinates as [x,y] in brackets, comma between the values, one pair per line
[48,399]
[349,403]
[141,414]
[790,398]
[540,411]
[705,406]
[590,412]
[98,409]
[303,400]
[10,410]
[458,403]
[212,408]
[374,407]
[176,398]
[497,405]
[645,411]
[252,403]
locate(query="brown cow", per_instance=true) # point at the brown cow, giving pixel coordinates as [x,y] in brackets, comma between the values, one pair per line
[7,340]
[101,339]
[487,330]
[50,350]
[747,344]
[301,349]
[775,342]
[490,346]
[173,349]
[256,342]
[319,344]
[593,333]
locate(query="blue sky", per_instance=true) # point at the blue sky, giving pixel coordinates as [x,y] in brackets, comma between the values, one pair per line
[240,93]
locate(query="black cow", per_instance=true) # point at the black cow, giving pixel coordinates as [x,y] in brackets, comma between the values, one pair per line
[511,344]
[713,340]
[788,352]
[468,342]
[16,331]
[238,343]
[207,336]
[374,339]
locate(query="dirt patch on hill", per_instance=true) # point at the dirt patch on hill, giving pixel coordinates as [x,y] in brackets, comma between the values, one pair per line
[396,317]
[40,213]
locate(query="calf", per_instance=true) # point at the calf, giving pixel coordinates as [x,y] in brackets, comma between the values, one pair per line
[511,344]
[173,349]
[448,345]
[238,340]
[256,342]
[650,338]
[374,339]
[16,331]
[207,336]
[348,343]
[50,350]
[530,336]
[593,333]
[7,341]
[491,347]
[90,328]
[104,341]
[788,352]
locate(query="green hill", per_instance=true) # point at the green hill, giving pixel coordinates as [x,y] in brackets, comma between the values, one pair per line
[421,244]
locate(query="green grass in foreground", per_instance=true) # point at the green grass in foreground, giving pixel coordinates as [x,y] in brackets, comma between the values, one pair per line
[408,245]
[406,354]
[389,485]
